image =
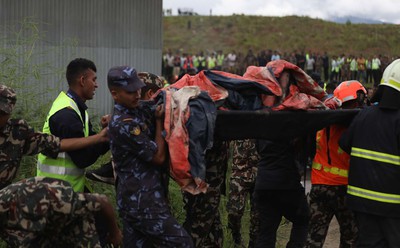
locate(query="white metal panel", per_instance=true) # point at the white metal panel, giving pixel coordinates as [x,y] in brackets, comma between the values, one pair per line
[109,32]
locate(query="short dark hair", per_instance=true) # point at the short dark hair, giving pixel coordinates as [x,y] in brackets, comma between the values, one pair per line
[78,66]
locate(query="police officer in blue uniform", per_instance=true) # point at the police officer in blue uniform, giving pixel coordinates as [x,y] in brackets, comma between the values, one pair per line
[139,151]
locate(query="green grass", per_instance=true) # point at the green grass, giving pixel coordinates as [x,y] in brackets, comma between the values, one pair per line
[28,169]
[241,32]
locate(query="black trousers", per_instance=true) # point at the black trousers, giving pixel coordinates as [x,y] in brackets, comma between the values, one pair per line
[275,204]
[377,231]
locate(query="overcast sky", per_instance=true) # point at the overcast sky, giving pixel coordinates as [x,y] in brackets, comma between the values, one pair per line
[382,10]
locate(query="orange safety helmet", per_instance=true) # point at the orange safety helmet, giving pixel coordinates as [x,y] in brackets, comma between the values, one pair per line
[348,90]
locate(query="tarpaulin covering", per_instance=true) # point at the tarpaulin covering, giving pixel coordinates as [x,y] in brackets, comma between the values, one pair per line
[242,101]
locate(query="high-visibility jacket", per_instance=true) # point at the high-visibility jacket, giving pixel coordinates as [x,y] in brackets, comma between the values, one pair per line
[353,65]
[211,62]
[196,61]
[202,61]
[330,165]
[63,168]
[220,59]
[376,63]
[374,176]
[335,66]
[340,61]
[188,64]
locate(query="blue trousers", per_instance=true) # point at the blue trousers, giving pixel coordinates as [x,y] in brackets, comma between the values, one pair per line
[154,230]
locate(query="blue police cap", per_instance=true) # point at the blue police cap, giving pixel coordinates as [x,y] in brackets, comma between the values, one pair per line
[124,77]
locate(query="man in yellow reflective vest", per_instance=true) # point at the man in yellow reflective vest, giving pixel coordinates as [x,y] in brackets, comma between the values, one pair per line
[68,118]
[373,142]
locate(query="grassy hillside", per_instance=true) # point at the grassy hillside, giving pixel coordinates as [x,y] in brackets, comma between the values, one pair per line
[286,34]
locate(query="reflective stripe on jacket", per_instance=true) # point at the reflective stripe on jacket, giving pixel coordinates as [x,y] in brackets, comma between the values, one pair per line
[63,167]
[373,140]
[371,194]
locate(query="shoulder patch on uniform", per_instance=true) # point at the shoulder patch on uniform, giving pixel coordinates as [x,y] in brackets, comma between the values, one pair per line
[127,119]
[135,131]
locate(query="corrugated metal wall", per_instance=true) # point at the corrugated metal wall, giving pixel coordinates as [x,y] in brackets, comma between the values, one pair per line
[109,32]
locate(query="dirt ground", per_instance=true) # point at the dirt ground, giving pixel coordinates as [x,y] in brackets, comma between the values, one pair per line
[333,237]
[331,241]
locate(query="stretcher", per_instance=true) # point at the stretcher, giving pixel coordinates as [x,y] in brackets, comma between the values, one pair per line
[276,125]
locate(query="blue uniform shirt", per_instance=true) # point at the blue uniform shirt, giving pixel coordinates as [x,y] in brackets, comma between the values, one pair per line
[139,188]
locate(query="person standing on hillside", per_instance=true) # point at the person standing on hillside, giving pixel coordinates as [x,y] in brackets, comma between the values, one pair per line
[310,62]
[211,61]
[335,67]
[240,64]
[250,59]
[353,67]
[373,141]
[275,56]
[319,64]
[301,60]
[220,60]
[168,63]
[202,61]
[325,59]
[187,63]
[231,57]
[341,61]
[376,67]
[176,72]
[292,58]
[262,58]
[368,66]
[361,67]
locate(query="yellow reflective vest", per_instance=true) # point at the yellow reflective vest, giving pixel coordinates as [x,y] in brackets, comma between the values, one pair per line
[63,168]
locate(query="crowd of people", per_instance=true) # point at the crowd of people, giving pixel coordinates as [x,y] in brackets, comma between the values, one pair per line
[58,209]
[330,68]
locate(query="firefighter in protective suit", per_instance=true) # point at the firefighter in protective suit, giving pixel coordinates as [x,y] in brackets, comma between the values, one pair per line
[329,176]
[373,142]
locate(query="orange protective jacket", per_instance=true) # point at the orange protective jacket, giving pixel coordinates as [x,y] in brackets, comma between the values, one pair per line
[331,164]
